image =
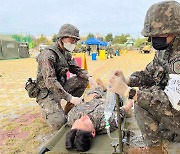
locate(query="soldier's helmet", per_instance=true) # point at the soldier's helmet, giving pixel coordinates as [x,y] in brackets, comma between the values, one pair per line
[162,18]
[68,30]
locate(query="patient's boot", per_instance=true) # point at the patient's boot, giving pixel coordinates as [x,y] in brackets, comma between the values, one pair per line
[68,107]
[100,83]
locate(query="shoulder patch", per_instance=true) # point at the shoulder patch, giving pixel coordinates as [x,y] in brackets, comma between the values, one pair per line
[175,65]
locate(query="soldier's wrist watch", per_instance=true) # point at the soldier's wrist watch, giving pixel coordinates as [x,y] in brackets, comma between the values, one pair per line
[132,93]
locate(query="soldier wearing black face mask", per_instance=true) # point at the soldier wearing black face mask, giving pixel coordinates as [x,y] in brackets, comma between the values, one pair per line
[157,102]
[159,43]
[159,95]
[52,82]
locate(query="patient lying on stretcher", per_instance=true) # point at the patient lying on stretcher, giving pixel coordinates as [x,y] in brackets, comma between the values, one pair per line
[87,119]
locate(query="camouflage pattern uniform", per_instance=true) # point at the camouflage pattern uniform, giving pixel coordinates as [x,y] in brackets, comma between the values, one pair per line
[109,50]
[155,115]
[95,110]
[53,63]
[89,50]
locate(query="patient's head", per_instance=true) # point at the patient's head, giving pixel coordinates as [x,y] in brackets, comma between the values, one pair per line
[81,134]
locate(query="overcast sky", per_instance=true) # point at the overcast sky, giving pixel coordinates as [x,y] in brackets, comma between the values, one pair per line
[96,16]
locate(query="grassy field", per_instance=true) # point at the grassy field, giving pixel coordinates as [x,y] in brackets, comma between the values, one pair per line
[22,126]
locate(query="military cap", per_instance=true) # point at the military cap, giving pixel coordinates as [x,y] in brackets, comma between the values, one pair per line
[68,30]
[162,18]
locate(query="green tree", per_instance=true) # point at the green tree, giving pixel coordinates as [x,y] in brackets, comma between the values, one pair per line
[18,37]
[139,41]
[42,39]
[120,39]
[90,35]
[109,37]
[49,42]
[54,39]
[78,45]
[116,40]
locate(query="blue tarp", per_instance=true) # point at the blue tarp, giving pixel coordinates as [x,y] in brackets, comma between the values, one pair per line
[103,43]
[94,41]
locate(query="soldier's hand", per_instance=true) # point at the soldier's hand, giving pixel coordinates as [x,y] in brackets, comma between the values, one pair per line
[119,74]
[75,100]
[117,85]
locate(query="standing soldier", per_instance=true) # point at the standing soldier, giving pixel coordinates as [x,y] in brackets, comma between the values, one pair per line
[98,50]
[157,108]
[52,82]
[109,50]
[89,50]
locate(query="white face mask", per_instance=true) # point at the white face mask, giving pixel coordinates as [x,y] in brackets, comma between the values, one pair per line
[68,46]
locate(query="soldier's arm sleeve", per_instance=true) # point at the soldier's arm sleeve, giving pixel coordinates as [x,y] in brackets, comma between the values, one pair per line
[75,69]
[73,115]
[144,98]
[153,98]
[143,78]
[46,63]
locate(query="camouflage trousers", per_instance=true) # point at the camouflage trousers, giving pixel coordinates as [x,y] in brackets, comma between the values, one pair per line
[110,54]
[157,119]
[51,105]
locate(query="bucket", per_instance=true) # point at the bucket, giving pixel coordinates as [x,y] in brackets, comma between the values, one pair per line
[94,56]
[117,53]
[102,55]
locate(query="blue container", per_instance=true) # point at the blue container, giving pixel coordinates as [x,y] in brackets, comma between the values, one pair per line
[117,53]
[94,56]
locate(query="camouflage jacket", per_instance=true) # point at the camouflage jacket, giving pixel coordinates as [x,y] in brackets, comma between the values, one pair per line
[53,63]
[95,110]
[157,72]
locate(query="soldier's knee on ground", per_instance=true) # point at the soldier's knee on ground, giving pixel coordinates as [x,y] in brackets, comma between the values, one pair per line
[148,127]
[56,120]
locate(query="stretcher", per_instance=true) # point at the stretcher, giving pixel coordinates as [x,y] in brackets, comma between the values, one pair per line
[101,144]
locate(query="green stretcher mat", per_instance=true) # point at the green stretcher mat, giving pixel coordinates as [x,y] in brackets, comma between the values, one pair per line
[101,144]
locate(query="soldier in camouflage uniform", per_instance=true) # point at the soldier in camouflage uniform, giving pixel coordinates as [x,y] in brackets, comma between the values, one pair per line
[87,119]
[109,50]
[95,110]
[52,82]
[157,108]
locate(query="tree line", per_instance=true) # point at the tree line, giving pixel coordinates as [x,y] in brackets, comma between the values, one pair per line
[117,39]
[120,39]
